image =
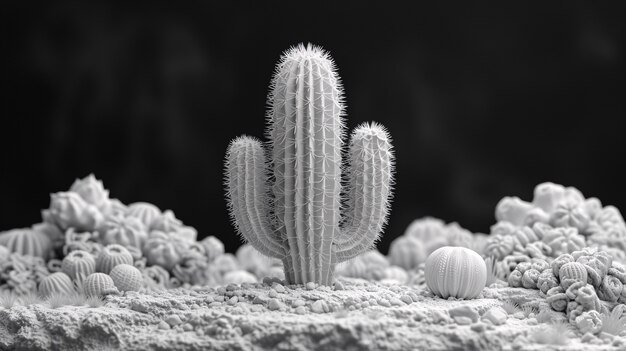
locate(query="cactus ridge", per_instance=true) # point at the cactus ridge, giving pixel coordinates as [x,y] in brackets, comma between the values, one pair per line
[59,283]
[111,256]
[303,205]
[78,264]
[97,283]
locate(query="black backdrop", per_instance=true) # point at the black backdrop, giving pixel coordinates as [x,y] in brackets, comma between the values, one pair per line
[482,101]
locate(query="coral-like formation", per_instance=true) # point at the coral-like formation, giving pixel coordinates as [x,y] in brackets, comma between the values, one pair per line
[455,271]
[164,249]
[92,191]
[213,247]
[70,210]
[407,252]
[434,233]
[572,272]
[370,265]
[145,212]
[298,217]
[125,231]
[21,274]
[559,221]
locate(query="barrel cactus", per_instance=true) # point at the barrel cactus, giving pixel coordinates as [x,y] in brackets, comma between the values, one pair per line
[126,277]
[97,284]
[571,273]
[78,264]
[56,283]
[27,242]
[296,214]
[111,256]
[455,272]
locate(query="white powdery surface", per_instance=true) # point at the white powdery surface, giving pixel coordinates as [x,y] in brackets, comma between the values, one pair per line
[363,316]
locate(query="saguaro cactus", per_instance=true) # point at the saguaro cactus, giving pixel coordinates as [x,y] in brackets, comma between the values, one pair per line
[297,207]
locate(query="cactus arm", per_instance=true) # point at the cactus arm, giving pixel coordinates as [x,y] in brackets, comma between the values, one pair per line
[369,192]
[329,145]
[247,193]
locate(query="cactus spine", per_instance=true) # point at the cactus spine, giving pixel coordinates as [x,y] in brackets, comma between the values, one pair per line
[296,214]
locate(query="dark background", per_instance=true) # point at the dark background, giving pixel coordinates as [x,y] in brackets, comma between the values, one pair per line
[482,101]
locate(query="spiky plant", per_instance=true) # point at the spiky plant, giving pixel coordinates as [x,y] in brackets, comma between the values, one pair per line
[94,301]
[292,207]
[557,333]
[493,270]
[8,299]
[545,316]
[528,309]
[57,299]
[31,298]
[615,322]
[510,307]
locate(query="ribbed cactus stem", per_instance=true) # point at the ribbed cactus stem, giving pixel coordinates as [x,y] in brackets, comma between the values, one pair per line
[370,181]
[298,221]
[248,192]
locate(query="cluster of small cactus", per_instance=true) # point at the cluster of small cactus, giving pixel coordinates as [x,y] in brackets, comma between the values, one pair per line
[455,272]
[85,232]
[558,221]
[568,247]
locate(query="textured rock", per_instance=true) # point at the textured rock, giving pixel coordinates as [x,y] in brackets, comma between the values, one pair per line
[203,319]
[496,315]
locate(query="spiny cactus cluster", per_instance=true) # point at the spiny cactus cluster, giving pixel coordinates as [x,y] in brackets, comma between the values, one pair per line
[289,206]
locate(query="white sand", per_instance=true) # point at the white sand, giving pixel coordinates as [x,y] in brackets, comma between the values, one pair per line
[264,318]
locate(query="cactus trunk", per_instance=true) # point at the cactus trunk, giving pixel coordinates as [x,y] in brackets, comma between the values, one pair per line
[306,144]
[296,215]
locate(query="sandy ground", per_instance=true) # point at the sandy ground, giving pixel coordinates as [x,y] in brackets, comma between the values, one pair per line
[360,315]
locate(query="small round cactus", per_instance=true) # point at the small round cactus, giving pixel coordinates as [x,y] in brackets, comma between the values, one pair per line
[126,277]
[56,283]
[571,273]
[111,256]
[455,272]
[26,242]
[144,211]
[79,264]
[407,252]
[97,284]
